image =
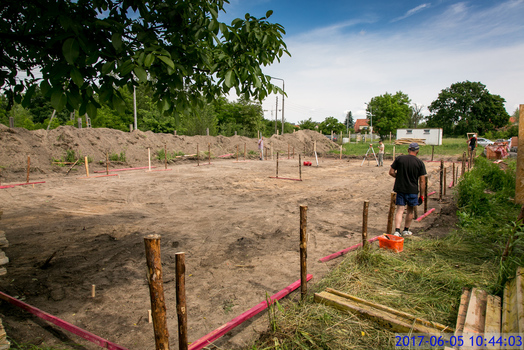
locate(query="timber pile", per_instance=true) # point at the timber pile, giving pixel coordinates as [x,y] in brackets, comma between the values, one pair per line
[407,141]
[394,320]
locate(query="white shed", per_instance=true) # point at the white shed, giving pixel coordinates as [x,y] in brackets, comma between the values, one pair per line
[431,136]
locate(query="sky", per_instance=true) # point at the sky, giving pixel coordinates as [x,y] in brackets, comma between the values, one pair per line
[345,52]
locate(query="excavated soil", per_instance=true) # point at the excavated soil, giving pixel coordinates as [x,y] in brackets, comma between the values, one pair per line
[238,227]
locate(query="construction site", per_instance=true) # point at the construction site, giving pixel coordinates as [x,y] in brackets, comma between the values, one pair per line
[73,229]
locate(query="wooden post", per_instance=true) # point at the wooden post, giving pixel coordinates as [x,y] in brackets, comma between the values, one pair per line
[390,137]
[198,156]
[432,151]
[107,163]
[165,156]
[293,152]
[237,153]
[271,149]
[156,291]
[365,225]
[209,152]
[463,164]
[80,123]
[299,167]
[445,182]
[341,152]
[519,188]
[391,214]
[11,122]
[93,291]
[288,154]
[28,168]
[130,127]
[426,195]
[303,251]
[441,179]
[87,166]
[149,157]
[454,182]
[245,150]
[181,309]
[277,164]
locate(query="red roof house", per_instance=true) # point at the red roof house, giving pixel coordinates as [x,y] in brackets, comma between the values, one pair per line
[361,124]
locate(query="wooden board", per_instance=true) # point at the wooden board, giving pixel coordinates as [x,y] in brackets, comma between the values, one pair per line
[463,309]
[493,314]
[509,311]
[476,316]
[386,317]
[519,281]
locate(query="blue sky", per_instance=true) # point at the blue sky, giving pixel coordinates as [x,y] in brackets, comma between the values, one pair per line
[343,53]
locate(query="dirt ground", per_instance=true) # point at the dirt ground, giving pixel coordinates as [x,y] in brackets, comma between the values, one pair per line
[238,227]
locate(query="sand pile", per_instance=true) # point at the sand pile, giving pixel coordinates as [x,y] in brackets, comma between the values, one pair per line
[45,147]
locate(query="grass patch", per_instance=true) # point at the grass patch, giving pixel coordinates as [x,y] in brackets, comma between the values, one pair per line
[161,155]
[118,157]
[425,280]
[70,156]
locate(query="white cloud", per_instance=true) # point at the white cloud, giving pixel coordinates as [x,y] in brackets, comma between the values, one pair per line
[412,12]
[328,75]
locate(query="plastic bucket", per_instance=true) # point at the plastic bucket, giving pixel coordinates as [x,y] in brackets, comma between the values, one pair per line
[394,243]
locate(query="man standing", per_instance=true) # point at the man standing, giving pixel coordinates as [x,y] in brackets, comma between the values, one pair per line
[380,153]
[472,144]
[261,147]
[407,170]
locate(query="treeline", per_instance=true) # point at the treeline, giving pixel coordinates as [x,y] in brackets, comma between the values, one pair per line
[221,117]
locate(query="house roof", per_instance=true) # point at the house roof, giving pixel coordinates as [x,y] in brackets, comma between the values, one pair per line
[359,123]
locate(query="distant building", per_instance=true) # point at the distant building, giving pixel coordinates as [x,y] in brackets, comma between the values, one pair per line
[361,124]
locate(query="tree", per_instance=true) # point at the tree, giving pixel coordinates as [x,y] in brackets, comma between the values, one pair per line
[415,115]
[467,107]
[388,112]
[86,50]
[308,124]
[349,122]
[331,124]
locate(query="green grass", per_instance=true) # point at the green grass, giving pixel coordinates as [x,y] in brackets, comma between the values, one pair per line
[425,280]
[449,147]
[160,155]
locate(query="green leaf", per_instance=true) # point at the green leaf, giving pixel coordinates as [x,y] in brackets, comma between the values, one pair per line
[167,61]
[269,13]
[28,94]
[91,110]
[229,78]
[45,87]
[116,40]
[77,77]
[141,74]
[74,99]
[58,100]
[148,61]
[70,50]
[108,67]
[126,67]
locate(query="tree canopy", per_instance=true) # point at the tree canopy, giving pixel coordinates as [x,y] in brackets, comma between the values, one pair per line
[388,112]
[331,124]
[467,107]
[80,53]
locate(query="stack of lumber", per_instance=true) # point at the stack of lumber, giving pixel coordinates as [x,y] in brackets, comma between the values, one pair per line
[407,141]
[394,320]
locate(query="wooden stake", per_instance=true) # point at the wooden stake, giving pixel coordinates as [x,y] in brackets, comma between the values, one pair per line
[165,156]
[426,195]
[441,179]
[181,309]
[391,214]
[245,150]
[303,251]
[463,164]
[299,167]
[87,166]
[445,182]
[149,317]
[107,163]
[340,152]
[453,178]
[156,291]
[28,168]
[93,291]
[277,164]
[365,243]
[288,153]
[209,152]
[237,153]
[432,151]
[293,152]
[149,157]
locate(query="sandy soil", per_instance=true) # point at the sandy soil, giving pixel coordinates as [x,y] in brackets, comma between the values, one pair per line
[238,227]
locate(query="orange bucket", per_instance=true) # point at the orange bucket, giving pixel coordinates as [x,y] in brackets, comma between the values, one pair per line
[394,243]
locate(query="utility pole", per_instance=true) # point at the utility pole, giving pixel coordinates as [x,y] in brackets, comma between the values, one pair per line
[276,116]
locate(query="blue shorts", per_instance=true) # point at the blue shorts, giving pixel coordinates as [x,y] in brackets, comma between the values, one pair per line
[411,199]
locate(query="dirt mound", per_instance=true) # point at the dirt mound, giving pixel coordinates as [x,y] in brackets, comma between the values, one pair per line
[45,147]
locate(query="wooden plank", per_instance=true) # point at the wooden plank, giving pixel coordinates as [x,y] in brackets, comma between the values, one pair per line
[463,310]
[409,317]
[3,271]
[520,299]
[385,319]
[509,315]
[493,314]
[3,258]
[476,314]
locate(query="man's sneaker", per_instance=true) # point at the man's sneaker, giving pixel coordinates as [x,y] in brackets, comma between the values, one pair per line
[396,234]
[406,233]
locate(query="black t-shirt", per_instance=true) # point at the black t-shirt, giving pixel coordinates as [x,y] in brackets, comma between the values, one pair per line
[409,168]
[472,142]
